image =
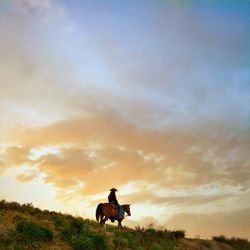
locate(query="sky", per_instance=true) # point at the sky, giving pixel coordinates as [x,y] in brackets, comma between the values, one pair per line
[150,97]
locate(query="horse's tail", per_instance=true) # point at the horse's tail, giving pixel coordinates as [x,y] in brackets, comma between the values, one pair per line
[98,211]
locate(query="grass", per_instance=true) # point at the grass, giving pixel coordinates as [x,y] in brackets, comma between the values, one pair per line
[30,234]
[235,243]
[27,227]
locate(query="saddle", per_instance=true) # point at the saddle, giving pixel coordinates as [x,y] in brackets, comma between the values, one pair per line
[115,207]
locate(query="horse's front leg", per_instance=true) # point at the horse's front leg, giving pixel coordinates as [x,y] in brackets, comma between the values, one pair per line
[120,224]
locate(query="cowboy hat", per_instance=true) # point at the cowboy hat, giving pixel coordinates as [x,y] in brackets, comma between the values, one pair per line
[113,189]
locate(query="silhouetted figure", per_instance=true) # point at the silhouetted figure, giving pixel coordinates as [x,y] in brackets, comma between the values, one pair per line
[112,199]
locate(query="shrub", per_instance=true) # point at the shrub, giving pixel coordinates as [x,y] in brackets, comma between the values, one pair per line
[132,241]
[178,234]
[89,241]
[120,242]
[220,238]
[100,241]
[139,229]
[80,243]
[10,205]
[59,222]
[151,231]
[206,244]
[236,243]
[17,247]
[155,246]
[29,233]
[170,245]
[76,227]
[78,234]
[3,204]
[13,206]
[126,239]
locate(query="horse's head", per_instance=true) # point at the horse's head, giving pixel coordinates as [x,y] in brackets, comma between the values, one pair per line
[127,209]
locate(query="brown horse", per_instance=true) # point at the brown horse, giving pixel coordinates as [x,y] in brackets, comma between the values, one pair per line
[105,211]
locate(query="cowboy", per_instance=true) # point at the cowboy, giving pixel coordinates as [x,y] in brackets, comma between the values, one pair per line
[112,199]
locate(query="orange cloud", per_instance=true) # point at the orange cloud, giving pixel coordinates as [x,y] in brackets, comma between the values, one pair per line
[104,149]
[208,225]
[27,176]
[16,155]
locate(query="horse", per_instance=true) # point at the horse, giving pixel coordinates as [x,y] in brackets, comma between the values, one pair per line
[105,211]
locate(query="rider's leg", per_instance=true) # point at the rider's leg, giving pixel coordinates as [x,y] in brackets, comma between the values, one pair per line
[120,212]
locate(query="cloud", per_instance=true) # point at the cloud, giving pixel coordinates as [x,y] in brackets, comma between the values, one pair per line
[15,156]
[146,222]
[232,224]
[185,199]
[179,85]
[68,170]
[2,166]
[27,176]
[214,224]
[35,4]
[103,149]
[186,81]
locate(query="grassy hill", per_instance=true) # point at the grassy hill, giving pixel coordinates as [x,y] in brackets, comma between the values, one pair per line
[27,227]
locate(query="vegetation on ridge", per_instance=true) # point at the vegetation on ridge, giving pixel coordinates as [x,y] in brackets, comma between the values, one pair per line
[27,227]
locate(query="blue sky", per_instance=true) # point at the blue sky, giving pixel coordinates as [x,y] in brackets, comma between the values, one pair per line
[157,46]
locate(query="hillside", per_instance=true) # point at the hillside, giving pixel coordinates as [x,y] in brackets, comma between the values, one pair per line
[27,227]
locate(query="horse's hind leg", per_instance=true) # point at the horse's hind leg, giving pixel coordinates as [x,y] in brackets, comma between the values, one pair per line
[104,220]
[101,222]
